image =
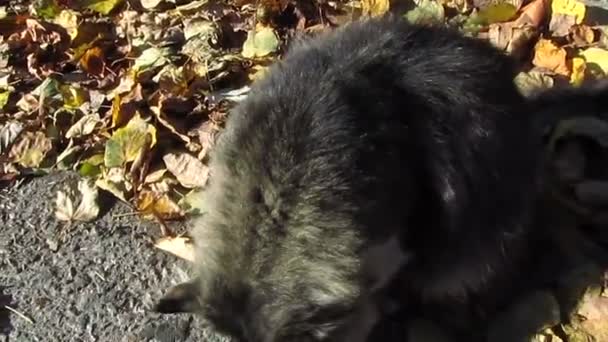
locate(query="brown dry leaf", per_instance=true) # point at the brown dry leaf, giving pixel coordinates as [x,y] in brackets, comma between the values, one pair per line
[179,246]
[533,13]
[92,61]
[582,35]
[375,8]
[154,204]
[550,56]
[189,171]
[31,149]
[511,38]
[594,309]
[560,24]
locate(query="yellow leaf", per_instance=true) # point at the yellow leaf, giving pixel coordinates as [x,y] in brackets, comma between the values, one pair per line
[550,56]
[68,19]
[596,57]
[73,97]
[578,71]
[375,8]
[498,12]
[569,7]
[152,204]
[31,149]
[103,6]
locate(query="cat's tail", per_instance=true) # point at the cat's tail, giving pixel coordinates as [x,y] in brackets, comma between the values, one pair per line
[553,105]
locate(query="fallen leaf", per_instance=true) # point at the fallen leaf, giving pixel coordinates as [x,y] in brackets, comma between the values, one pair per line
[578,71]
[260,43]
[574,8]
[151,204]
[77,204]
[68,19]
[4,95]
[529,82]
[188,170]
[179,246]
[550,56]
[426,11]
[8,133]
[533,13]
[92,61]
[192,203]
[596,57]
[127,142]
[73,97]
[560,24]
[582,35]
[374,8]
[150,4]
[31,149]
[46,9]
[151,58]
[115,184]
[103,6]
[84,126]
[92,166]
[511,38]
[495,13]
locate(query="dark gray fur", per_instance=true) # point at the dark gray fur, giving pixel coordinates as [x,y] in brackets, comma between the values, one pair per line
[377,130]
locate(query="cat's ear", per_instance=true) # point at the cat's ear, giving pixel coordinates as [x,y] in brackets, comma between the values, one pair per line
[181,298]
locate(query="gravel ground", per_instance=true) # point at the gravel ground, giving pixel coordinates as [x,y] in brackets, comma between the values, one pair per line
[92,282]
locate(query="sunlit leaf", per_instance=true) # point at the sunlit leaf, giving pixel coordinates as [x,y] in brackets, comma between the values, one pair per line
[578,71]
[596,57]
[68,19]
[192,202]
[426,11]
[179,246]
[73,97]
[47,9]
[31,149]
[127,142]
[550,56]
[158,204]
[494,13]
[77,204]
[8,133]
[103,6]
[188,170]
[260,43]
[4,96]
[375,8]
[151,58]
[84,126]
[530,82]
[92,61]
[569,7]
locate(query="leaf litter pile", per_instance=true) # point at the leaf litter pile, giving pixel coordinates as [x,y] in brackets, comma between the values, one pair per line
[132,94]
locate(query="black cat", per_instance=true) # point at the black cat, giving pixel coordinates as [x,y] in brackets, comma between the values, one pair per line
[381,148]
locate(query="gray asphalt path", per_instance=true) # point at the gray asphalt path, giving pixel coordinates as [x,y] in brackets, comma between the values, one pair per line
[91,282]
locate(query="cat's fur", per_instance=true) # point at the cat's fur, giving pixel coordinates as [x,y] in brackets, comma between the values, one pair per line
[377,133]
